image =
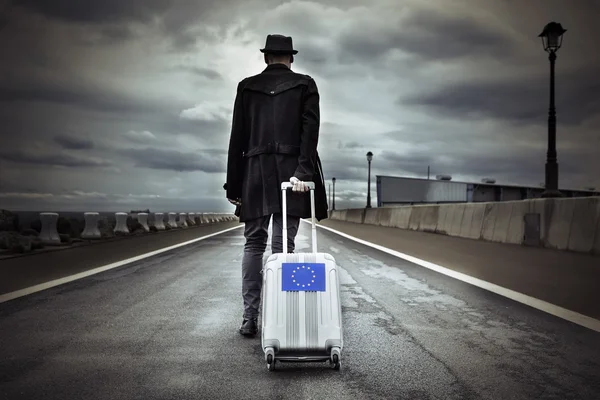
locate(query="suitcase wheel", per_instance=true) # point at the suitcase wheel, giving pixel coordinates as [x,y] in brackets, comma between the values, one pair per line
[270,362]
[335,358]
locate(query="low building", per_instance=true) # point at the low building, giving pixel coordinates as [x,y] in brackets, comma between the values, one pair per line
[395,191]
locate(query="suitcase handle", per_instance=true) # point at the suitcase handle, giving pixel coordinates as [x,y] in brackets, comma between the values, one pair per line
[284,187]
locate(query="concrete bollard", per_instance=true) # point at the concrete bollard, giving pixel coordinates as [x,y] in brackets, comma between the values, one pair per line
[121,225]
[143,220]
[204,218]
[172,222]
[181,222]
[198,218]
[49,233]
[91,230]
[159,222]
[191,219]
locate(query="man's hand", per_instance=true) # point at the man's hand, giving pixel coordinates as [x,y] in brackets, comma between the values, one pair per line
[235,202]
[298,185]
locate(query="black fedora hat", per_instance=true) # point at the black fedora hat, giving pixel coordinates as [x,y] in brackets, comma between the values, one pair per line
[279,44]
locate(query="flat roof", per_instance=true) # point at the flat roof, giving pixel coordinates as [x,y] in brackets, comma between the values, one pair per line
[486,184]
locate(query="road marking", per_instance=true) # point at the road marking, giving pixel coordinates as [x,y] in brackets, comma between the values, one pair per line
[549,308]
[60,281]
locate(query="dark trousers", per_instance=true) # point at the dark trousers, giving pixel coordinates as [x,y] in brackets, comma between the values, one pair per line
[256,232]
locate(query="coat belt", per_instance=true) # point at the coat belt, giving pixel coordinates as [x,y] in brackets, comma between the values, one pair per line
[273,148]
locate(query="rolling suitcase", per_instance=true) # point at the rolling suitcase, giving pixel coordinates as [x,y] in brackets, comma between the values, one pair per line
[301,307]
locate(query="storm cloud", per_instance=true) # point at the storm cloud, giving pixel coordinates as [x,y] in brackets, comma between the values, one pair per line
[74,143]
[128,104]
[53,159]
[518,100]
[178,161]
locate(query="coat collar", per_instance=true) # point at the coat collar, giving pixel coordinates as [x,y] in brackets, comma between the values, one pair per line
[277,66]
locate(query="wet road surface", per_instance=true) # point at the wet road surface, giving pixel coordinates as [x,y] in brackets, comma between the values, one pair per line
[166,328]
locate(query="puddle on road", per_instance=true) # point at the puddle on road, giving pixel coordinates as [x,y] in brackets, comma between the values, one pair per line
[212,320]
[420,292]
[355,300]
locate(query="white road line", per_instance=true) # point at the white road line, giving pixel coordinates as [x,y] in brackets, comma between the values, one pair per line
[60,281]
[549,308]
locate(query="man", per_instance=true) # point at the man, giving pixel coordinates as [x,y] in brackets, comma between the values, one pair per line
[274,139]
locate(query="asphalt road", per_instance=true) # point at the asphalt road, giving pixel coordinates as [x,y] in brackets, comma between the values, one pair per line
[166,328]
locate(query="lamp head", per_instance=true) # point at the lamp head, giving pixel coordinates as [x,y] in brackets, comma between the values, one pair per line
[552,36]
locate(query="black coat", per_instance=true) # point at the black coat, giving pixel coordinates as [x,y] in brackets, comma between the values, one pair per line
[274,136]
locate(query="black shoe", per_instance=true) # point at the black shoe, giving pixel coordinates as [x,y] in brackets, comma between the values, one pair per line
[249,327]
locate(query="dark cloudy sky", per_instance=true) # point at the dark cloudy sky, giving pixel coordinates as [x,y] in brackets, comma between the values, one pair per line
[113,104]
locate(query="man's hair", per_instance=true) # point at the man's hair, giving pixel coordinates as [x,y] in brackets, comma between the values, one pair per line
[273,58]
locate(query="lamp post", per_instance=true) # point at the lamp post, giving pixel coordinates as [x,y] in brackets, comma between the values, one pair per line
[329,191]
[552,40]
[369,159]
[333,207]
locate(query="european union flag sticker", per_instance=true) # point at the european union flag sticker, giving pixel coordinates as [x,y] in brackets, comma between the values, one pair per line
[306,277]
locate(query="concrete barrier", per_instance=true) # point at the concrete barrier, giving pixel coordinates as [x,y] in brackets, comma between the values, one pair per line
[338,215]
[356,215]
[121,223]
[444,218]
[515,233]
[372,216]
[430,219]
[181,221]
[457,214]
[172,222]
[565,223]
[467,220]
[472,222]
[584,229]
[489,220]
[49,233]
[142,218]
[384,216]
[424,218]
[560,224]
[159,221]
[91,231]
[502,212]
[191,219]
[401,217]
[416,216]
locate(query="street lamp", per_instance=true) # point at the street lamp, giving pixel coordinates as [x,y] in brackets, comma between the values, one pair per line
[333,208]
[552,41]
[369,159]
